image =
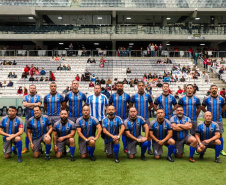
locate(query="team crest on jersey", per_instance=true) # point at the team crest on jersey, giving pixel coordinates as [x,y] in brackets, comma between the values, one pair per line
[124,98]
[67,128]
[115,123]
[89,123]
[138,123]
[211,129]
[15,123]
[58,98]
[43,122]
[79,97]
[165,127]
[146,98]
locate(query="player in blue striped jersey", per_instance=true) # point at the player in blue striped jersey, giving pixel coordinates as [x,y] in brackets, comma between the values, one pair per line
[192,106]
[76,101]
[120,100]
[111,126]
[161,133]
[181,125]
[63,134]
[208,135]
[97,104]
[216,105]
[166,101]
[143,103]
[11,128]
[29,101]
[54,102]
[39,130]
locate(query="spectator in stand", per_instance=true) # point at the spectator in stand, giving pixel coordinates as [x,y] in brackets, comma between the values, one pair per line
[87,75]
[176,78]
[176,96]
[131,82]
[32,70]
[27,69]
[170,92]
[57,59]
[52,59]
[83,77]
[145,75]
[93,60]
[66,90]
[174,67]
[135,81]
[105,92]
[185,89]
[159,85]
[150,75]
[68,67]
[10,75]
[89,60]
[10,84]
[36,79]
[46,79]
[42,72]
[221,71]
[108,87]
[149,88]
[31,79]
[205,62]
[93,78]
[20,90]
[160,49]
[102,62]
[125,81]
[160,77]
[102,81]
[182,79]
[190,52]
[25,91]
[223,93]
[61,58]
[41,79]
[128,70]
[77,77]
[152,50]
[91,84]
[109,82]
[97,81]
[156,49]
[209,63]
[168,61]
[208,93]
[64,67]
[9,62]
[51,76]
[114,87]
[1,85]
[179,91]
[172,79]
[167,78]
[14,63]
[100,52]
[159,61]
[144,79]
[196,88]
[155,78]
[37,72]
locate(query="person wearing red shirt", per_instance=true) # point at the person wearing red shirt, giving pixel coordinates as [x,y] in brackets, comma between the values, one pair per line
[26,70]
[77,77]
[180,91]
[205,62]
[52,77]
[209,61]
[223,93]
[170,92]
[91,84]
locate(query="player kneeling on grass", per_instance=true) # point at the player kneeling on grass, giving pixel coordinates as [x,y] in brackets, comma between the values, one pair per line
[161,132]
[207,135]
[40,128]
[11,128]
[133,126]
[86,128]
[181,125]
[111,125]
[63,134]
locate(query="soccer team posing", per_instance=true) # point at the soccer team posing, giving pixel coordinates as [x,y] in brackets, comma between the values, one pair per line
[87,117]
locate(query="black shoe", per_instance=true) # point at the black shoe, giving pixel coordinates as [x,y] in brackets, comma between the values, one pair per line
[143,157]
[20,160]
[14,151]
[150,152]
[117,160]
[170,159]
[72,158]
[92,158]
[201,156]
[47,157]
[217,160]
[65,151]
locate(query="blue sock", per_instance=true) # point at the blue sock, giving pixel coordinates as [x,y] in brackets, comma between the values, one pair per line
[116,149]
[19,147]
[192,151]
[48,148]
[26,142]
[72,150]
[149,145]
[144,147]
[222,143]
[124,141]
[171,148]
[217,150]
[12,149]
[91,150]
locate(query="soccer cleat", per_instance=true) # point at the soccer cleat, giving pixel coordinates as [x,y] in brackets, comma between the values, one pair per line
[20,160]
[125,151]
[170,159]
[68,150]
[196,153]
[217,160]
[25,150]
[223,153]
[117,160]
[143,158]
[191,159]
[150,152]
[92,158]
[201,156]
[14,150]
[72,158]
[47,157]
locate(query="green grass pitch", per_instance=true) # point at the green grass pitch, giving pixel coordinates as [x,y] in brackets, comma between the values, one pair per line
[105,171]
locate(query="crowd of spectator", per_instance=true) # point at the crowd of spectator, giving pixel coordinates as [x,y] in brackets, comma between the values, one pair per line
[64,67]
[9,62]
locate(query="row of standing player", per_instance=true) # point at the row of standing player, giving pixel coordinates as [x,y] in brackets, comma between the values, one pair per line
[54,102]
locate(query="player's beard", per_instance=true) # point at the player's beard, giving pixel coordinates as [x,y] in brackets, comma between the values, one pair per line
[63,119]
[111,113]
[120,91]
[180,115]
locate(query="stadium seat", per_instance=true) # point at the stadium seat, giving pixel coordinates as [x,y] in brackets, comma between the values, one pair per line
[19,111]
[4,111]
